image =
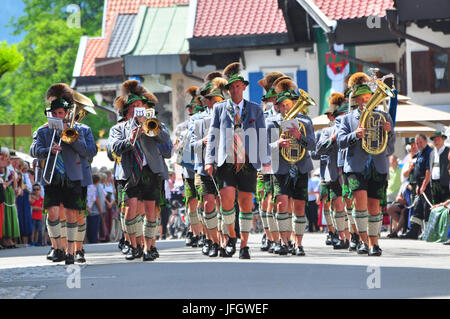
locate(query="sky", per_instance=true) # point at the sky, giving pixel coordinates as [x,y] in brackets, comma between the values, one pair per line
[11,8]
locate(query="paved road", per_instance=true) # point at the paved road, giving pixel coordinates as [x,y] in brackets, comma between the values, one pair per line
[407,269]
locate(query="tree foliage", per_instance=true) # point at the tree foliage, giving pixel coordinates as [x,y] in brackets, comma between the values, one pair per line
[49,48]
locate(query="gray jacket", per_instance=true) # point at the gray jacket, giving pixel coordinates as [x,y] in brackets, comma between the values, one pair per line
[279,164]
[119,143]
[219,148]
[200,131]
[91,151]
[356,158]
[71,153]
[325,146]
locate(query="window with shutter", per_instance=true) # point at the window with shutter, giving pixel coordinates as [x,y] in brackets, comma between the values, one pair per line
[421,71]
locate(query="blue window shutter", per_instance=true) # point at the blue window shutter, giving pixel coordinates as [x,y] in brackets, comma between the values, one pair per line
[302,80]
[256,90]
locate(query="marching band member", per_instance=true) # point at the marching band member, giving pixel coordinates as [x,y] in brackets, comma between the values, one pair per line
[346,194]
[141,164]
[216,93]
[64,189]
[91,151]
[236,166]
[265,185]
[327,145]
[366,175]
[290,181]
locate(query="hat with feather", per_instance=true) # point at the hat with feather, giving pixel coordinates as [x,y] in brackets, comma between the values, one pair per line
[267,83]
[232,74]
[207,86]
[218,88]
[59,95]
[132,91]
[195,102]
[286,89]
[358,84]
[334,101]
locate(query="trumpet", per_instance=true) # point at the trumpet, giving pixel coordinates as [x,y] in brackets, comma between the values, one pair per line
[70,135]
[151,126]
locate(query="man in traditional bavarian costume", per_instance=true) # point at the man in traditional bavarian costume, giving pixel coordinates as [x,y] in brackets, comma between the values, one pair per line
[327,146]
[346,194]
[264,185]
[141,163]
[366,174]
[214,94]
[290,180]
[236,124]
[63,190]
[82,101]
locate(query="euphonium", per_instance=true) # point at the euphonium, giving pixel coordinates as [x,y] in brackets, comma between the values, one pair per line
[151,126]
[295,152]
[376,138]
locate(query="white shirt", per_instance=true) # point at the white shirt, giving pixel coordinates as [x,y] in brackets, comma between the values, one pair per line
[240,105]
[435,172]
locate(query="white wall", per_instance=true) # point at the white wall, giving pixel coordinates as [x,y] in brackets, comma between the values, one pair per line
[268,61]
[438,38]
[383,53]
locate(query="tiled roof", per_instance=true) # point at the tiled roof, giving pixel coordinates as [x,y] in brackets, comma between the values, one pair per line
[132,7]
[120,35]
[238,17]
[97,47]
[94,48]
[351,9]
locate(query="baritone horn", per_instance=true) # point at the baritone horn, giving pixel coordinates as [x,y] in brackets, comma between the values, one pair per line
[376,138]
[295,152]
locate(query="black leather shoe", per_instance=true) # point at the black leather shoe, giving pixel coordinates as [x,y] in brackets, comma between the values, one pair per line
[342,244]
[362,249]
[299,251]
[194,241]
[202,241]
[412,233]
[79,257]
[222,252]
[277,248]
[375,251]
[213,250]
[70,260]
[206,247]
[189,236]
[121,242]
[230,249]
[291,247]
[154,252]
[131,254]
[139,252]
[284,250]
[147,256]
[58,256]
[264,240]
[243,253]
[335,238]
[272,247]
[51,254]
[328,241]
[266,245]
[126,248]
[353,242]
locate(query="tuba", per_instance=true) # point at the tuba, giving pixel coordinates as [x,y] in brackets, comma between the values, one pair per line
[295,152]
[376,138]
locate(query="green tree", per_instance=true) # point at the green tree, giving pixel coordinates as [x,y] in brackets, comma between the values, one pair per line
[10,58]
[49,49]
